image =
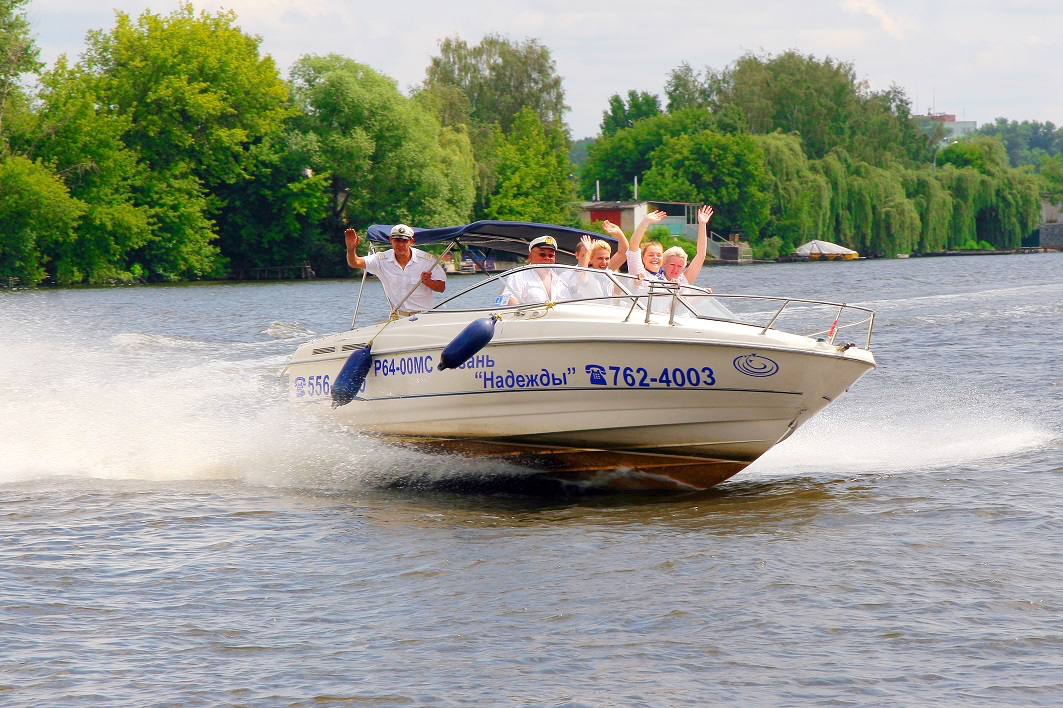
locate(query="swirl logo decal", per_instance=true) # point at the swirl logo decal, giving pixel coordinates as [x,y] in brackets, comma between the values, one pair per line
[756,365]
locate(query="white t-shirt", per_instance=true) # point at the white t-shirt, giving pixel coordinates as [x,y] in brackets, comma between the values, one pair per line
[398,281]
[636,266]
[528,287]
[594,284]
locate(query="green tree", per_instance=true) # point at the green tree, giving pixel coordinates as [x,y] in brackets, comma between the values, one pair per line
[18,56]
[726,171]
[639,106]
[579,150]
[1052,176]
[933,205]
[392,157]
[497,79]
[478,87]
[986,155]
[36,212]
[883,130]
[823,102]
[275,217]
[86,148]
[1025,142]
[870,211]
[533,170]
[794,93]
[198,97]
[613,162]
[992,201]
[686,89]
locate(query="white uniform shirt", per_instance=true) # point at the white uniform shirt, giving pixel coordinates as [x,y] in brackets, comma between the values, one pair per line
[398,281]
[527,287]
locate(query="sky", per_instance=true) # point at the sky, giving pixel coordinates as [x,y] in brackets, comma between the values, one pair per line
[977,59]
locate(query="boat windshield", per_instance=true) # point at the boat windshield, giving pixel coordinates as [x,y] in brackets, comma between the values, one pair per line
[538,284]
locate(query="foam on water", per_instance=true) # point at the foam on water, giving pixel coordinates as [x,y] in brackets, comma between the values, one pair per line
[153,408]
[920,428]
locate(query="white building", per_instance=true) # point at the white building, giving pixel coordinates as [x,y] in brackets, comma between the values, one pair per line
[953,128]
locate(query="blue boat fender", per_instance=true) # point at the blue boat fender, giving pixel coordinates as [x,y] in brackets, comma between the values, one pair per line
[352,376]
[470,340]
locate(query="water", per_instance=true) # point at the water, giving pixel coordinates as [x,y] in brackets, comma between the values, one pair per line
[172,532]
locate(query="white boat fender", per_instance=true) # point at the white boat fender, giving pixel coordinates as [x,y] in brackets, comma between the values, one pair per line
[470,340]
[352,376]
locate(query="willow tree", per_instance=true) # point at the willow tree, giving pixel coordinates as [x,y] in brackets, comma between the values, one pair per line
[835,169]
[800,196]
[997,203]
[934,205]
[1051,173]
[1014,212]
[869,209]
[971,192]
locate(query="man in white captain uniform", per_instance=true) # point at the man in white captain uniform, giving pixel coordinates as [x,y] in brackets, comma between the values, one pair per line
[540,285]
[400,270]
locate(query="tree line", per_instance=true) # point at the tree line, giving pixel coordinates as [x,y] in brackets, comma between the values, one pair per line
[173,149]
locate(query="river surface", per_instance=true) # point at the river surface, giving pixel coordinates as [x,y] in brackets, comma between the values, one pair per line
[172,532]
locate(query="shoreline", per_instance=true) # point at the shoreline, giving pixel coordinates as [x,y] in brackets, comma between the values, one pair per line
[905,256]
[6,284]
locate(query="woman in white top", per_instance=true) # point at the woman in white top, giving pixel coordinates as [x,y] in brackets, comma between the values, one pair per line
[645,260]
[613,260]
[595,254]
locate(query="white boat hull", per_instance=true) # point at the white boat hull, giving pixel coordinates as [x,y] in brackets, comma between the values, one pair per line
[575,391]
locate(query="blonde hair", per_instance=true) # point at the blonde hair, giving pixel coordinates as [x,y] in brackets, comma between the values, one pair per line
[600,245]
[674,252]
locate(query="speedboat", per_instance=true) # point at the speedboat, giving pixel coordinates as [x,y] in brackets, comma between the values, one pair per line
[620,381]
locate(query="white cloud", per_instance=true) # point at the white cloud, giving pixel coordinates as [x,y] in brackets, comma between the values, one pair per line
[897,28]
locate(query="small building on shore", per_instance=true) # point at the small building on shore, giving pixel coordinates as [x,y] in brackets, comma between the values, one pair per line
[682,219]
[1051,231]
[1052,235]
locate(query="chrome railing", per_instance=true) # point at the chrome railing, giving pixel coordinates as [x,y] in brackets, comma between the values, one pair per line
[657,299]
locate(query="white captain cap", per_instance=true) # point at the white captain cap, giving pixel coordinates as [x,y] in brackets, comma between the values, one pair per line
[401,231]
[544,241]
